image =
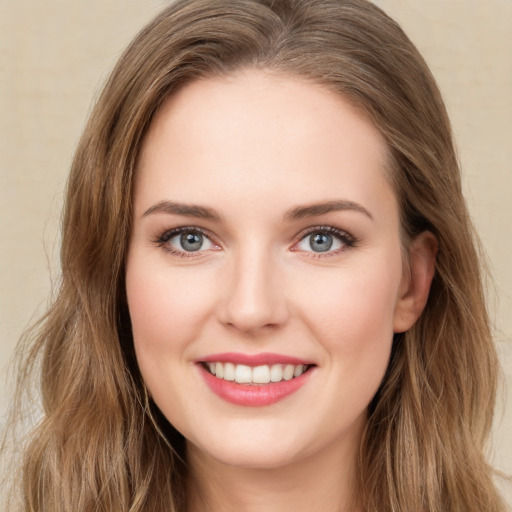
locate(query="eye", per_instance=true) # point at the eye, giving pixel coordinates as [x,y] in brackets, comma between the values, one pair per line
[325,239]
[184,241]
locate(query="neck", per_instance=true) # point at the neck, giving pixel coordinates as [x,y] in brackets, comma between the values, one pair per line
[323,481]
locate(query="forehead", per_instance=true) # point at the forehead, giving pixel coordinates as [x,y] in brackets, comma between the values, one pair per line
[256,132]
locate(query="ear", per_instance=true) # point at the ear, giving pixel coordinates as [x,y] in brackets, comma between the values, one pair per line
[416,280]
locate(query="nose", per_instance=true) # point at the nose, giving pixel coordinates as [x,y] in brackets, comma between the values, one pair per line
[254,297]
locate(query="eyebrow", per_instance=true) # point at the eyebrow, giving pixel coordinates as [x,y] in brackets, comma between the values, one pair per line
[188,210]
[297,213]
[313,210]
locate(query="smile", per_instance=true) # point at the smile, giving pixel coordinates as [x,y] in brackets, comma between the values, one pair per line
[264,374]
[254,381]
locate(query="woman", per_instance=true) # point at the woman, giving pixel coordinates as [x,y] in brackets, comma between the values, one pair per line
[270,295]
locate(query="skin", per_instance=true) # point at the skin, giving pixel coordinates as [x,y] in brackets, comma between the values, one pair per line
[253,147]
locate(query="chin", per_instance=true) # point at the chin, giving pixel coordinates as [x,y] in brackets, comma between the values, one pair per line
[250,451]
[253,456]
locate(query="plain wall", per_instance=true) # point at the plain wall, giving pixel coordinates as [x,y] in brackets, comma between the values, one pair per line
[54,55]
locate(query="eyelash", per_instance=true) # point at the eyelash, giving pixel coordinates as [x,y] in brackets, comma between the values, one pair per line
[348,240]
[162,240]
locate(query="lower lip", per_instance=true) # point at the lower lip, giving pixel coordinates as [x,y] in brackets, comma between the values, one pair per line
[257,395]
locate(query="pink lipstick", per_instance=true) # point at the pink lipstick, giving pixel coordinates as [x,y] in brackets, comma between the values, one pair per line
[254,380]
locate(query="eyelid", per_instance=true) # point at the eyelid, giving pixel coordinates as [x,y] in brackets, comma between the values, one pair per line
[344,236]
[324,228]
[168,234]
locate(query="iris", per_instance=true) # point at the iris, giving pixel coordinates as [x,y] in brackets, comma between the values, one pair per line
[191,241]
[320,242]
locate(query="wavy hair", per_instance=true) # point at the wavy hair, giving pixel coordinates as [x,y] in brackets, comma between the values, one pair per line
[101,445]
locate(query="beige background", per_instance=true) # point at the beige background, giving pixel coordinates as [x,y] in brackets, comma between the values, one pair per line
[54,55]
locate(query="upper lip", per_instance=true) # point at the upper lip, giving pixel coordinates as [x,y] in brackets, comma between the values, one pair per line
[267,358]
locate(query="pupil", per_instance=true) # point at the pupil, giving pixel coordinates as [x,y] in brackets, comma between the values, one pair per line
[320,242]
[191,241]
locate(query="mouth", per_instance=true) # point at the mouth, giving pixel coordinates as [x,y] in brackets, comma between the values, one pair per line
[255,375]
[254,381]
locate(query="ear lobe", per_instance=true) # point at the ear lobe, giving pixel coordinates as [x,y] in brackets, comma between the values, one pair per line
[415,285]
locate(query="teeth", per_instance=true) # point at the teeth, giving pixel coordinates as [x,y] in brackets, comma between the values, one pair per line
[298,371]
[229,371]
[264,374]
[243,374]
[261,375]
[276,373]
[288,372]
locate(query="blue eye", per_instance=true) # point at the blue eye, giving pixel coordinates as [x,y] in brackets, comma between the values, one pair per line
[320,242]
[185,240]
[190,241]
[325,240]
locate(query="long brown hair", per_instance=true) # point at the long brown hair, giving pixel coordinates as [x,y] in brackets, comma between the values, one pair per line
[101,444]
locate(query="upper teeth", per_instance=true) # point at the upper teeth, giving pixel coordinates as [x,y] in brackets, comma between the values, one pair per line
[255,375]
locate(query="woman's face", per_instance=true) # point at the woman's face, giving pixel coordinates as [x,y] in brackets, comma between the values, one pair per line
[265,245]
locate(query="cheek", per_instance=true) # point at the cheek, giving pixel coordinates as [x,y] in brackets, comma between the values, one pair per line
[166,311]
[351,315]
[164,303]
[167,308]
